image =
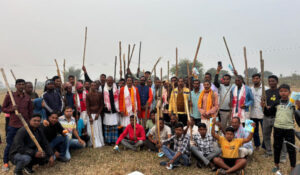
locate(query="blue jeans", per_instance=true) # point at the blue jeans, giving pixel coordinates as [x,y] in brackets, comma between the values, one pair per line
[72,144]
[170,154]
[59,144]
[11,132]
[256,131]
[21,160]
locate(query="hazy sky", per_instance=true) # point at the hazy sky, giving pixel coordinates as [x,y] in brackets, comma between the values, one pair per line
[34,32]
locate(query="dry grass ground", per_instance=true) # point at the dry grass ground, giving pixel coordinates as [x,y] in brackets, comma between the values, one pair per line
[104,161]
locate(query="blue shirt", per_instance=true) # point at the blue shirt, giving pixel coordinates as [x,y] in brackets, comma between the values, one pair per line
[194,98]
[80,127]
[249,97]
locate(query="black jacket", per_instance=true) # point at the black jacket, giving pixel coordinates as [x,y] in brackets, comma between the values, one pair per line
[24,145]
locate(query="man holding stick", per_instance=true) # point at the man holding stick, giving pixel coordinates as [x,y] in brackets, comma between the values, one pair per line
[24,106]
[145,98]
[29,91]
[94,106]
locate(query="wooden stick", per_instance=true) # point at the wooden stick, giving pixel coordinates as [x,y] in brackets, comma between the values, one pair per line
[157,120]
[154,67]
[92,134]
[262,68]
[176,62]
[120,57]
[19,114]
[64,70]
[34,87]
[75,101]
[196,54]
[57,69]
[124,65]
[84,49]
[139,63]
[131,55]
[246,67]
[134,126]
[12,73]
[168,70]
[146,115]
[228,53]
[128,57]
[174,99]
[115,69]
[161,89]
[186,107]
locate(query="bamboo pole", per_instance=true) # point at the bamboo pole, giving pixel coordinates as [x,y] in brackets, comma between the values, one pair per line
[262,68]
[34,87]
[57,69]
[176,62]
[168,70]
[124,65]
[196,54]
[131,55]
[246,67]
[19,114]
[228,53]
[64,70]
[84,49]
[134,125]
[186,107]
[139,63]
[128,56]
[115,69]
[154,67]
[120,57]
[157,121]
[12,73]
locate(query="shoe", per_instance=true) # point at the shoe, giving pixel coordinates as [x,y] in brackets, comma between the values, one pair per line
[18,173]
[199,165]
[221,171]
[5,167]
[283,160]
[63,159]
[276,171]
[163,163]
[267,155]
[28,170]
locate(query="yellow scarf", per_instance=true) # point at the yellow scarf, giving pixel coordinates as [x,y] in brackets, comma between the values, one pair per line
[209,100]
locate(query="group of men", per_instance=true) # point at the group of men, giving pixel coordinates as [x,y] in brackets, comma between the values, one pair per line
[176,119]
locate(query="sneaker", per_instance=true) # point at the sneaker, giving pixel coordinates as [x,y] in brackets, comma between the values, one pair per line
[199,164]
[283,160]
[28,170]
[18,173]
[5,167]
[163,163]
[63,159]
[276,171]
[221,171]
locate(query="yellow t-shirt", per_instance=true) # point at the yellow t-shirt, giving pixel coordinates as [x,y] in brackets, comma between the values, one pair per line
[230,149]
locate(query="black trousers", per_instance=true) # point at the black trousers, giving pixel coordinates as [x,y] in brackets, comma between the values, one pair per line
[150,145]
[279,136]
[182,118]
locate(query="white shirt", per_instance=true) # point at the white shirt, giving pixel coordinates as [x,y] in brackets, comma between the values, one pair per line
[256,109]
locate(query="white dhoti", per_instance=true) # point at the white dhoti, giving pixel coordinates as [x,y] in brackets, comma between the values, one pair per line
[84,117]
[98,135]
[111,119]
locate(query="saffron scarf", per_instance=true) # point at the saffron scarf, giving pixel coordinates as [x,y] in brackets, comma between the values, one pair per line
[130,103]
[209,99]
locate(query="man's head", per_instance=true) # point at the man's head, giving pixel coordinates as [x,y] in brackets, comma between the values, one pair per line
[143,81]
[122,82]
[50,84]
[229,133]
[174,80]
[149,82]
[284,91]
[239,81]
[129,81]
[57,81]
[20,85]
[147,75]
[161,123]
[173,118]
[256,79]
[68,87]
[94,86]
[35,121]
[87,85]
[110,81]
[226,79]
[136,82]
[53,118]
[71,79]
[235,123]
[79,87]
[132,120]
[207,77]
[102,79]
[273,81]
[68,112]
[202,129]
[180,83]
[196,84]
[157,82]
[28,87]
[152,114]
[179,129]
[166,84]
[206,85]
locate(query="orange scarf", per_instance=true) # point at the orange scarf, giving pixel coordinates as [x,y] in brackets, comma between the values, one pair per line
[132,101]
[209,100]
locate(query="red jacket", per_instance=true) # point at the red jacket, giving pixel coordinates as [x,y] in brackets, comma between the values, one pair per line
[140,133]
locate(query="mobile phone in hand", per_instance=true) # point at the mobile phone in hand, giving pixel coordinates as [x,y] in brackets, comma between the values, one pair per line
[220,63]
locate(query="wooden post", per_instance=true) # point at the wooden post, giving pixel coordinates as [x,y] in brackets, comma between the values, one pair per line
[262,68]
[154,67]
[84,49]
[196,54]
[139,63]
[131,55]
[12,73]
[168,70]
[124,65]
[228,53]
[19,114]
[116,57]
[34,87]
[64,70]
[120,57]
[246,67]
[128,56]
[176,62]
[75,101]
[186,107]
[57,69]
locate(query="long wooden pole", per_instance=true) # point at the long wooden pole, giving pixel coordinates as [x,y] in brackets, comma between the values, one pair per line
[176,62]
[34,87]
[154,67]
[168,70]
[115,70]
[128,56]
[19,114]
[246,67]
[228,53]
[196,54]
[84,49]
[57,69]
[188,114]
[157,120]
[64,70]
[139,63]
[131,55]
[12,73]
[124,65]
[120,58]
[262,67]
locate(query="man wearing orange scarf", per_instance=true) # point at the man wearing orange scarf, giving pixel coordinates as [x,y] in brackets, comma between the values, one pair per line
[208,104]
[129,102]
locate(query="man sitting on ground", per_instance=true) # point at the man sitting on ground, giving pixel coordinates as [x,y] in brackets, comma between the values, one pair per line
[181,148]
[24,153]
[204,149]
[134,141]
[230,161]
